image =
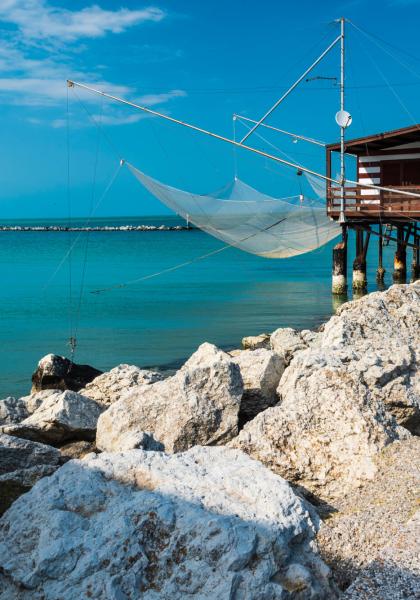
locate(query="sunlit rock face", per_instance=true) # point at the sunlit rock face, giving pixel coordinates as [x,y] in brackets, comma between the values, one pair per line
[207,523]
[346,397]
[111,385]
[59,418]
[198,405]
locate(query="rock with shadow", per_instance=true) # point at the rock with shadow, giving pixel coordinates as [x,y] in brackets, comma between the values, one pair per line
[198,405]
[60,373]
[61,417]
[207,523]
[22,464]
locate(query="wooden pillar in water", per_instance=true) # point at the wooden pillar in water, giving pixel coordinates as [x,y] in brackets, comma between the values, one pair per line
[359,264]
[415,264]
[400,258]
[380,272]
[339,270]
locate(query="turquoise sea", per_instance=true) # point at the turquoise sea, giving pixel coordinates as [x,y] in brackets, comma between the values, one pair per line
[155,323]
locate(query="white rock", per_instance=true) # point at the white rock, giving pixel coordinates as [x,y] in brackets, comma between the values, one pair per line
[387,325]
[198,405]
[60,417]
[15,410]
[261,371]
[286,342]
[208,523]
[110,386]
[346,397]
[327,428]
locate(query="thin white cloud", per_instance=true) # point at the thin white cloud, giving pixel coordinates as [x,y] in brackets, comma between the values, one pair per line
[154,99]
[38,20]
[35,91]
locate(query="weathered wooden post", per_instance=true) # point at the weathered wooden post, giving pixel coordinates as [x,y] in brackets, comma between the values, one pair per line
[415,264]
[400,259]
[380,272]
[339,270]
[359,263]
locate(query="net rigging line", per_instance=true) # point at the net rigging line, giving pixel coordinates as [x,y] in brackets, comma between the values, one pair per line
[85,224]
[86,250]
[71,339]
[178,266]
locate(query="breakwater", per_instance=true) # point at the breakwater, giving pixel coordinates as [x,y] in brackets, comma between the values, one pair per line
[96,228]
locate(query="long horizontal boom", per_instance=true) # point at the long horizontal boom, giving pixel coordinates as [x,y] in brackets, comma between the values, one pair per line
[222,138]
[150,111]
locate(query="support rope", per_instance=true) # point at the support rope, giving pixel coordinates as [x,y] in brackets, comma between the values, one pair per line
[86,224]
[183,264]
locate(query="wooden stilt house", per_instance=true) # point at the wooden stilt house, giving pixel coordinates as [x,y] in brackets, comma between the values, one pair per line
[387,160]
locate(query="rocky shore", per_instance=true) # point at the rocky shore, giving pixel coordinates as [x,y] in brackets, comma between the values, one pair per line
[288,469]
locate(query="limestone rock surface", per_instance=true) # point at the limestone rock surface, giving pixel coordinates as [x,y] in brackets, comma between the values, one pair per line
[111,385]
[207,523]
[384,323]
[61,417]
[198,405]
[14,410]
[261,371]
[58,372]
[327,428]
[343,400]
[286,342]
[253,342]
[22,463]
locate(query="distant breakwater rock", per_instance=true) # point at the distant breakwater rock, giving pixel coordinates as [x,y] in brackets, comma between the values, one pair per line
[96,229]
[220,477]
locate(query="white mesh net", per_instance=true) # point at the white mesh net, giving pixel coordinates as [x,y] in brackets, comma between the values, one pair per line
[248,219]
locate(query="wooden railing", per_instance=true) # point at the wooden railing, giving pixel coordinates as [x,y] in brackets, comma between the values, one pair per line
[363,201]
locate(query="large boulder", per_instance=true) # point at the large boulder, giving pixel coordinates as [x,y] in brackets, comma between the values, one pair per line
[386,323]
[207,523]
[261,371]
[354,535]
[61,417]
[60,373]
[15,410]
[343,400]
[22,464]
[327,428]
[110,386]
[198,405]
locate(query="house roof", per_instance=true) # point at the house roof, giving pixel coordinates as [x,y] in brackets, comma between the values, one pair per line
[380,141]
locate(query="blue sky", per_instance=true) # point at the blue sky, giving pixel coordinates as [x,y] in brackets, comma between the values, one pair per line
[200,61]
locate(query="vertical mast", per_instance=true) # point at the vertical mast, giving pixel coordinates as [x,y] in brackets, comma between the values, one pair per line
[342,128]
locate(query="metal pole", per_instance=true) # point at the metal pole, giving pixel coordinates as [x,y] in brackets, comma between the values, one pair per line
[342,129]
[291,88]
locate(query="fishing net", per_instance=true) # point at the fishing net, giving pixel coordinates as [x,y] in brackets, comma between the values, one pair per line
[248,219]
